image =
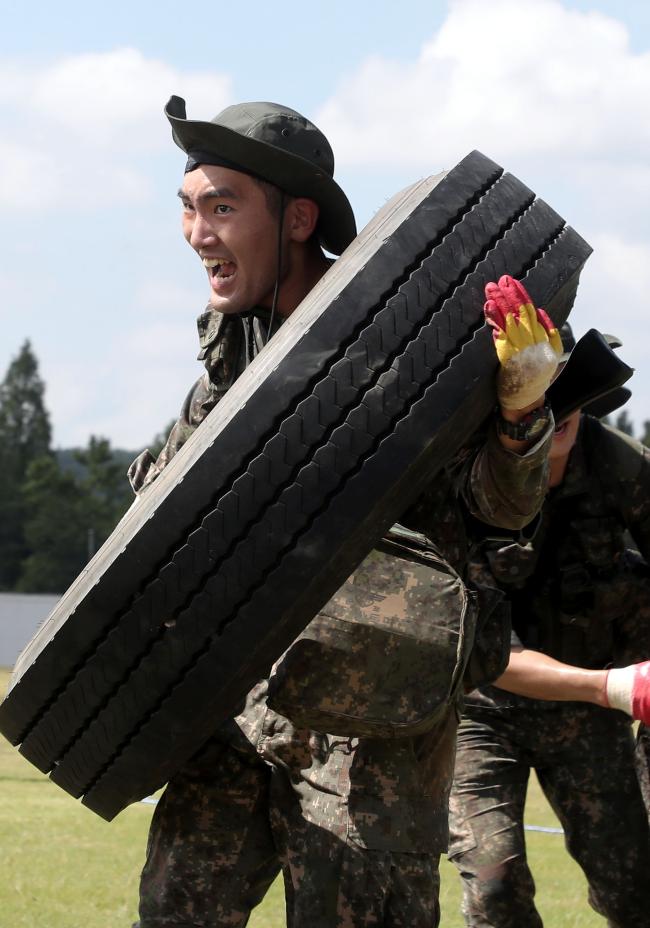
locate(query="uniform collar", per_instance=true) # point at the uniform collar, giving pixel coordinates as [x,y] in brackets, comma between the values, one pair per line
[211,323]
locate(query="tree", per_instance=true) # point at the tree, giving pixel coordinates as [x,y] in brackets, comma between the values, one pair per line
[53,517]
[645,437]
[12,541]
[55,529]
[25,431]
[69,514]
[624,424]
[25,436]
[104,490]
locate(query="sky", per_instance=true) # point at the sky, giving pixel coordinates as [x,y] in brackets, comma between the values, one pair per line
[93,267]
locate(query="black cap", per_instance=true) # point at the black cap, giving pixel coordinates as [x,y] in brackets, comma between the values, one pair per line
[569,341]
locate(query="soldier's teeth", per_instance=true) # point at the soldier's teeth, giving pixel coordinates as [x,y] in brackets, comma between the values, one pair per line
[213,262]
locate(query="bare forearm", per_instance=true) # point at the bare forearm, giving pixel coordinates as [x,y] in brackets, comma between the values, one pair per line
[538,676]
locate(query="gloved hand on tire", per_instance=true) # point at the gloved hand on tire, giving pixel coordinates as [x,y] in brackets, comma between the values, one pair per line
[527,343]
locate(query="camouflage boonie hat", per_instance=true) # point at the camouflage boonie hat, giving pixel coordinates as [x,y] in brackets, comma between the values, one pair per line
[276,144]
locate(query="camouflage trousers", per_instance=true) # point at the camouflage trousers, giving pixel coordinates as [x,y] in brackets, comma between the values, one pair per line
[584,759]
[229,822]
[643,763]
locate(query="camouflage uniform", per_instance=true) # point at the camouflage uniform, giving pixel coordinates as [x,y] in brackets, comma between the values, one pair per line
[642,755]
[356,824]
[580,595]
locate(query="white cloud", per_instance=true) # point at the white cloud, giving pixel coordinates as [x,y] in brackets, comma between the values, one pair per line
[132,388]
[614,280]
[513,77]
[27,178]
[555,95]
[612,298]
[116,98]
[162,296]
[99,109]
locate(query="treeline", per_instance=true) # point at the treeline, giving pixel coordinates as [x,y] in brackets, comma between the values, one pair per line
[56,507]
[624,424]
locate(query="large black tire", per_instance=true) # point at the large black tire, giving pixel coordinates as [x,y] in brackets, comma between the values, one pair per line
[369,388]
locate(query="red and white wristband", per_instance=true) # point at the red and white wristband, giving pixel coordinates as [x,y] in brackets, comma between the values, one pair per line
[628,689]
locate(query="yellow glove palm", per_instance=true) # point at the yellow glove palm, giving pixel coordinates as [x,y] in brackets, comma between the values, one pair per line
[527,343]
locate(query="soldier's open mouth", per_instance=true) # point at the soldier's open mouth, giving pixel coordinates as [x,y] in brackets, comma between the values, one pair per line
[219,267]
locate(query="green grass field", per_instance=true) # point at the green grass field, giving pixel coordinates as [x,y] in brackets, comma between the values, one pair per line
[63,867]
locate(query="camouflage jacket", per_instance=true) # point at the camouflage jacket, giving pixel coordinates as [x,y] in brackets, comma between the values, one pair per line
[388,794]
[228,344]
[577,577]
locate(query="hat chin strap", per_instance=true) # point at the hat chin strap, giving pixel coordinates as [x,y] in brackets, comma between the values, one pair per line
[278,269]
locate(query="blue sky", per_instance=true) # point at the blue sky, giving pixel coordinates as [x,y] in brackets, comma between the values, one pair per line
[93,269]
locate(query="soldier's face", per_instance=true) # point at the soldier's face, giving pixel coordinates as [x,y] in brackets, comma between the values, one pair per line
[227,221]
[564,437]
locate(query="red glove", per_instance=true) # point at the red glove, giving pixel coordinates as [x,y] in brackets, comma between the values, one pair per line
[527,343]
[628,689]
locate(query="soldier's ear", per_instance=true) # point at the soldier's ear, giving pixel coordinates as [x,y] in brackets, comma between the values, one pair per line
[301,217]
